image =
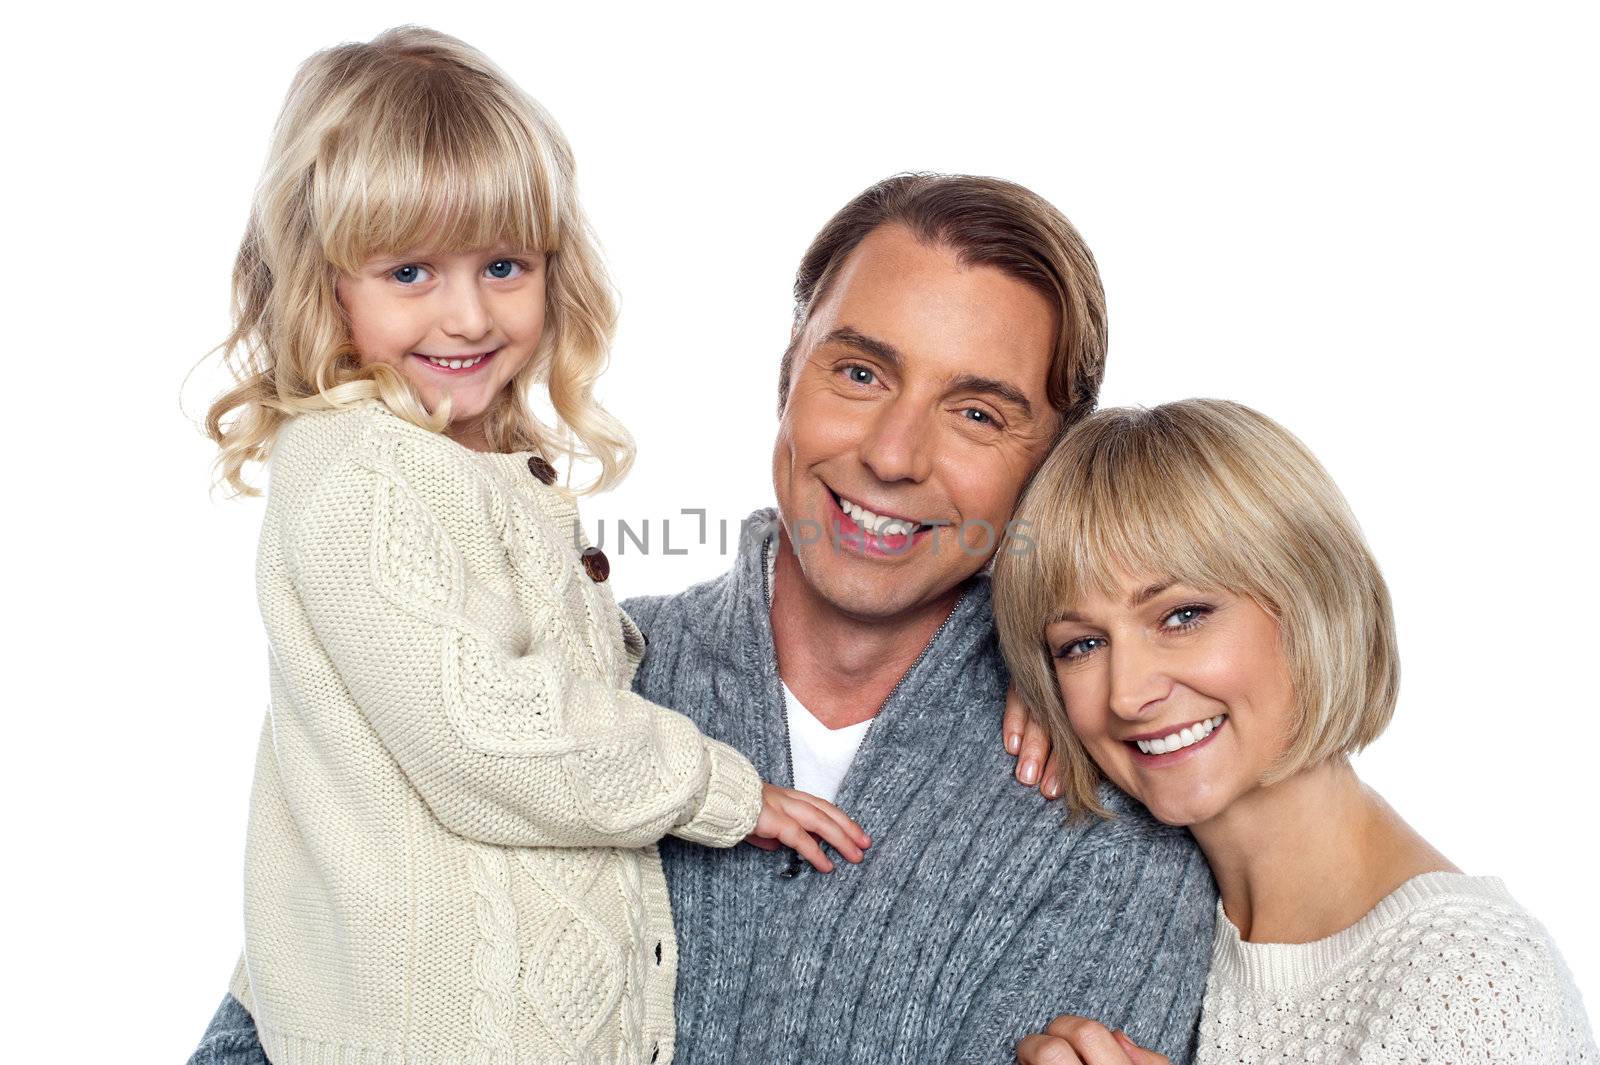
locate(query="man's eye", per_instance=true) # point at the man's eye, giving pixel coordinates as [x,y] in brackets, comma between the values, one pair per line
[503,268]
[860,375]
[408,274]
[979,417]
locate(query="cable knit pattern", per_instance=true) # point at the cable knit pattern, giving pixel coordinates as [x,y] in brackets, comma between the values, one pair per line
[1446,970]
[451,849]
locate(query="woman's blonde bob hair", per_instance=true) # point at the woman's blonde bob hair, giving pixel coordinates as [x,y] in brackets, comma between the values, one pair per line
[412,140]
[1213,495]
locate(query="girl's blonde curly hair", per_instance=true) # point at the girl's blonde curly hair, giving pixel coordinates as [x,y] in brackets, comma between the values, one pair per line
[411,139]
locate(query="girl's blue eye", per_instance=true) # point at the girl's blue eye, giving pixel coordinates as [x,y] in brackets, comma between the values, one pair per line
[503,268]
[408,274]
[860,375]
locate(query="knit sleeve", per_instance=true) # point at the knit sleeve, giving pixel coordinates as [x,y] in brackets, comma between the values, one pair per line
[502,739]
[1126,940]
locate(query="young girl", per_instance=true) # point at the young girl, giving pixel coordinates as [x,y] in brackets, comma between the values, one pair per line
[450,854]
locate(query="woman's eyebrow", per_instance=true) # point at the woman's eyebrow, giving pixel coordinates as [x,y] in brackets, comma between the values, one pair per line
[1149,593]
[1137,599]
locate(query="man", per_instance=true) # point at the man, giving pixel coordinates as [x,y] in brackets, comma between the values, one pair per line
[947,330]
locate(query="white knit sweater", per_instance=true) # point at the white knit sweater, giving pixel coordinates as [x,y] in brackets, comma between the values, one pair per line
[1447,970]
[450,855]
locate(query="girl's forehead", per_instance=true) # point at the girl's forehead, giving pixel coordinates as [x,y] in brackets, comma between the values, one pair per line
[433,251]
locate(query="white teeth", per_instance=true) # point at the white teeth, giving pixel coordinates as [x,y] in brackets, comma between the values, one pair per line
[873,523]
[1184,737]
[455,364]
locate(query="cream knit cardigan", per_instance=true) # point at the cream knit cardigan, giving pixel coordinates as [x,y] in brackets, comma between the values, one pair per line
[450,855]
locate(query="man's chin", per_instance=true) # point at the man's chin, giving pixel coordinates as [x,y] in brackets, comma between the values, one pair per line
[868,589]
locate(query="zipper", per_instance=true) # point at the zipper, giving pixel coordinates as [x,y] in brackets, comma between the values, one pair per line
[795,863]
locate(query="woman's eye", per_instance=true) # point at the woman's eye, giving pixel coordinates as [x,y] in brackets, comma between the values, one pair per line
[1079,648]
[408,274]
[860,375]
[501,269]
[978,417]
[1184,617]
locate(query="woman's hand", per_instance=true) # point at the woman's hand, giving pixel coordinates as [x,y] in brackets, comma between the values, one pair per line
[1028,739]
[797,819]
[1079,1041]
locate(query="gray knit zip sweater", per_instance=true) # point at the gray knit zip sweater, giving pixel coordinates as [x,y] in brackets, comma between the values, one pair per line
[977,915]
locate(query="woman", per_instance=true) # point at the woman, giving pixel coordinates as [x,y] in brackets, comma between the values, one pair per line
[1199,620]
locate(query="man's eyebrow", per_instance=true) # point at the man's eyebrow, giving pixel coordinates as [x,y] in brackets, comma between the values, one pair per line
[871,345]
[1002,390]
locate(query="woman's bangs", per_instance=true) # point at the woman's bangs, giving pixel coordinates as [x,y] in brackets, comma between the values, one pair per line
[1137,516]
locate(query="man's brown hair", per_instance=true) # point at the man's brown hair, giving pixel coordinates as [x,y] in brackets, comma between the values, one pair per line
[986,222]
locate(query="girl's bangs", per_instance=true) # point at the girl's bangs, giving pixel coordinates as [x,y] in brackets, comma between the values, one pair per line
[441,182]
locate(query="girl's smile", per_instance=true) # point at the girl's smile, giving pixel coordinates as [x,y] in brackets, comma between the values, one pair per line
[456,365]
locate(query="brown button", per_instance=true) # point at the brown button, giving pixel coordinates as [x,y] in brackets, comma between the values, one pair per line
[596,565]
[541,469]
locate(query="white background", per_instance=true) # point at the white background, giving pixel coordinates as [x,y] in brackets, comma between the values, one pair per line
[1376,224]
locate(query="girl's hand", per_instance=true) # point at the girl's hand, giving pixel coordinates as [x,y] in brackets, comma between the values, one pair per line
[1028,739]
[1079,1041]
[797,819]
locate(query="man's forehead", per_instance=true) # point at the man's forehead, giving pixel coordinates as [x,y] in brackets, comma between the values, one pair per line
[931,309]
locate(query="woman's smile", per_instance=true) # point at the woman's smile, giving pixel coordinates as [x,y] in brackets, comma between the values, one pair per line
[1168,747]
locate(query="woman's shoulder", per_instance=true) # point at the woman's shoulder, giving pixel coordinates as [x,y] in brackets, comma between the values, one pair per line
[1447,967]
[1476,976]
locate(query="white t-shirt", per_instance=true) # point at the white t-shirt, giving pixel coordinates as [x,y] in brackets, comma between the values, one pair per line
[822,755]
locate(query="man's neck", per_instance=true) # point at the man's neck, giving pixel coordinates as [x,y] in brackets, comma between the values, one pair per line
[843,668]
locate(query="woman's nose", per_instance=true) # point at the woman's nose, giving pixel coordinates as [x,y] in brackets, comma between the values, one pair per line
[1137,680]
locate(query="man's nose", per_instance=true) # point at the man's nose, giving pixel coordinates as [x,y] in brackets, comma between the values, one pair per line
[1138,682]
[898,445]
[464,314]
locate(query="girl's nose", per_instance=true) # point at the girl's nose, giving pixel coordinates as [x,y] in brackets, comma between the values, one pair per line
[465,314]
